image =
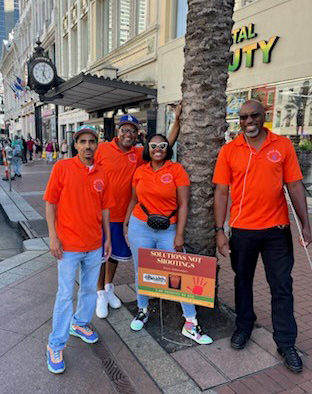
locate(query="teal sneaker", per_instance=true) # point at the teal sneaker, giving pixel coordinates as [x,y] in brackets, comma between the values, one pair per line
[139,321]
[84,332]
[195,333]
[55,360]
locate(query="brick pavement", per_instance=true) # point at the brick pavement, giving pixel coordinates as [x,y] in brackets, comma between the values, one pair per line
[276,379]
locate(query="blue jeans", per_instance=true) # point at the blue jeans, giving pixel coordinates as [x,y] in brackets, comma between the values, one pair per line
[16,162]
[140,235]
[90,264]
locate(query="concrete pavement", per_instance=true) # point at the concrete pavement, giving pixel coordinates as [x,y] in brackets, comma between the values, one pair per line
[124,361]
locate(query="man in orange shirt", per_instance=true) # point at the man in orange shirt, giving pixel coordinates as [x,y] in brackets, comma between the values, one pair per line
[78,198]
[120,158]
[256,165]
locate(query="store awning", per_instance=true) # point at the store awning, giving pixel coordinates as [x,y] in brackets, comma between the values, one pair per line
[92,93]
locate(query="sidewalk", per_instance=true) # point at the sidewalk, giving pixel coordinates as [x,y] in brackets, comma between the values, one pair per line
[125,361]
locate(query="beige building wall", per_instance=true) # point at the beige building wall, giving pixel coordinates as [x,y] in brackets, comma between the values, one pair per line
[290,66]
[292,55]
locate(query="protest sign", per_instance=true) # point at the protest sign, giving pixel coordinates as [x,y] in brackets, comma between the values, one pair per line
[175,276]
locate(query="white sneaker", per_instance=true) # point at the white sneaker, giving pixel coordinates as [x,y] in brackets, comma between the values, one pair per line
[101,305]
[113,300]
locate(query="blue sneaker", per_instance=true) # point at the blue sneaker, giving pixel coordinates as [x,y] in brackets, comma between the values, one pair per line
[55,360]
[84,332]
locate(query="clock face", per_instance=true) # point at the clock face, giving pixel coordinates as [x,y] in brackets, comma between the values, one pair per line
[43,73]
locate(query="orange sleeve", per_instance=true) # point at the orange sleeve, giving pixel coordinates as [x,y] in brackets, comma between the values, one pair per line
[181,176]
[54,187]
[222,172]
[99,153]
[139,154]
[108,200]
[291,168]
[136,177]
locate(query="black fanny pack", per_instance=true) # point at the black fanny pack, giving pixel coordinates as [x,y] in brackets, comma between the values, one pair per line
[158,222]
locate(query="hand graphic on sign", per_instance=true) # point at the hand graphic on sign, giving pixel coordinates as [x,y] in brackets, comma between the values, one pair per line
[198,285]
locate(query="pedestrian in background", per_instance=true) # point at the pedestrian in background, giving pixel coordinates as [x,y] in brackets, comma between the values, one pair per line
[38,148]
[255,166]
[30,148]
[78,199]
[64,150]
[49,149]
[24,152]
[17,146]
[160,187]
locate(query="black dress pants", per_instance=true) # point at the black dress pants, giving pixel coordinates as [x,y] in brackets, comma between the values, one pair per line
[276,248]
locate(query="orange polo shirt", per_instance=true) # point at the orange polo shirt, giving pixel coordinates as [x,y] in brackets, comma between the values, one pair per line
[80,196]
[264,204]
[120,167]
[157,190]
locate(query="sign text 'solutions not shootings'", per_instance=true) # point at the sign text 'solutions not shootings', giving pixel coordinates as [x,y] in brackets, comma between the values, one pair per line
[177,276]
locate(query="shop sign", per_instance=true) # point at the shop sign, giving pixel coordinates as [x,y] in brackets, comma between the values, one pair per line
[47,112]
[181,277]
[28,109]
[248,33]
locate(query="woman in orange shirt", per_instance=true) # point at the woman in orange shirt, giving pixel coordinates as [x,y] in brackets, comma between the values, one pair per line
[160,187]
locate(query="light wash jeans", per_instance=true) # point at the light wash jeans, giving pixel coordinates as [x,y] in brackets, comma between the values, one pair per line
[90,264]
[16,163]
[140,235]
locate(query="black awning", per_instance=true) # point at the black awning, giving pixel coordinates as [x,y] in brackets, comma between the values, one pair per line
[92,93]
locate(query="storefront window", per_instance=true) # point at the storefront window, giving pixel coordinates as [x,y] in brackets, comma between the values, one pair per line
[288,106]
[63,131]
[288,118]
[278,119]
[310,117]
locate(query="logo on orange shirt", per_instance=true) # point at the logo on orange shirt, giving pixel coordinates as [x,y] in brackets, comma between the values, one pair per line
[132,157]
[98,185]
[274,156]
[166,178]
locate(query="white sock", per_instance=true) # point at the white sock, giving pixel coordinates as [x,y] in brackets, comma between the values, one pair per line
[109,287]
[145,310]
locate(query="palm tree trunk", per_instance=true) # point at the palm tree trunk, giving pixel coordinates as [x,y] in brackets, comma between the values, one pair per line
[207,56]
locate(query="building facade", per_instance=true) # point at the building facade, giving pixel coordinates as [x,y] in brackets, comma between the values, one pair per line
[141,42]
[24,114]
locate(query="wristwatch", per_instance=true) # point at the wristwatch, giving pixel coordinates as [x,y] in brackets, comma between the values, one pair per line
[219,228]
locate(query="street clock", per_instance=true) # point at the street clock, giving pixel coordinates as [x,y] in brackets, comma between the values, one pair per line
[42,74]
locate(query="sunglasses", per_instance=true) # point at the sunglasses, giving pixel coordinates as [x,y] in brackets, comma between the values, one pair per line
[253,116]
[160,145]
[131,131]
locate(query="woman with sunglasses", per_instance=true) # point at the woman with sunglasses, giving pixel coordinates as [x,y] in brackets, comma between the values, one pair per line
[161,187]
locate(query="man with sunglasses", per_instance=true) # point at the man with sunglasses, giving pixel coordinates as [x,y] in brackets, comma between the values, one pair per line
[120,158]
[256,165]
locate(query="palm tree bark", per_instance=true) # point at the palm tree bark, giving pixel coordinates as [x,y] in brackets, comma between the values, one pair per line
[207,56]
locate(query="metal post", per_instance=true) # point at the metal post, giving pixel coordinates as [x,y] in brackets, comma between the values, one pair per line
[10,179]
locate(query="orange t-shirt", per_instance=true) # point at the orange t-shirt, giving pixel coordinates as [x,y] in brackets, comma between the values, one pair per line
[264,204]
[157,190]
[80,196]
[120,167]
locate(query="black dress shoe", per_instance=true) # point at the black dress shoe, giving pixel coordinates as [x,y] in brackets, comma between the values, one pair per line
[291,358]
[239,339]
